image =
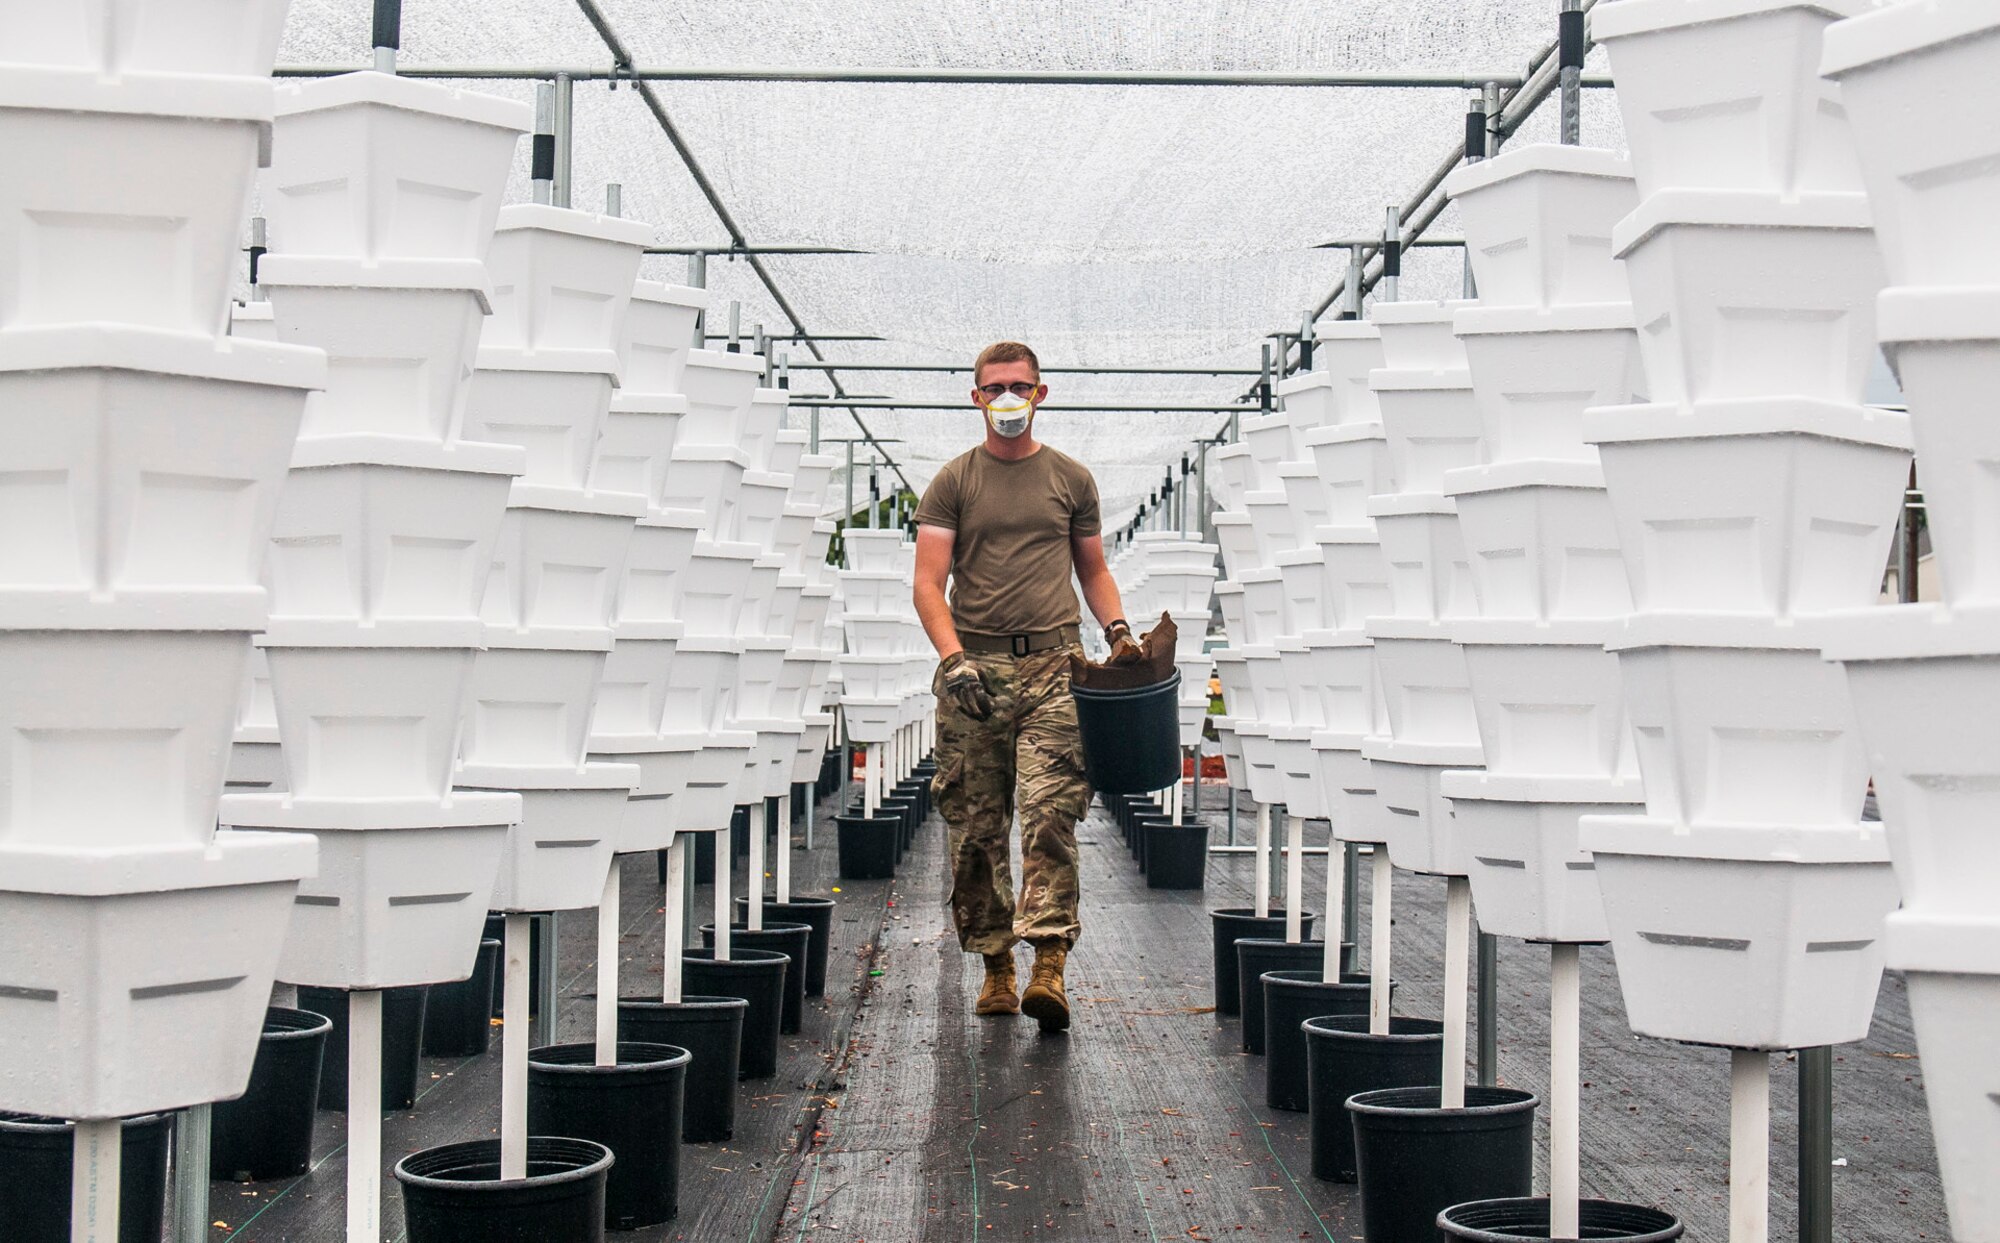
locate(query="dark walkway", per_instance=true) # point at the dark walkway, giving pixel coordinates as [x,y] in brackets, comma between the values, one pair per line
[899,1116]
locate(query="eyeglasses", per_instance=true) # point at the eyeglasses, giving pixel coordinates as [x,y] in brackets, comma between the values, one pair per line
[1020,388]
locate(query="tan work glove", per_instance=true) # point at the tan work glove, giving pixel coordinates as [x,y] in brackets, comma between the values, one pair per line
[1125,650]
[965,688]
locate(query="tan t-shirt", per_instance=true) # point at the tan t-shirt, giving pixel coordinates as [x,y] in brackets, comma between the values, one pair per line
[1010,563]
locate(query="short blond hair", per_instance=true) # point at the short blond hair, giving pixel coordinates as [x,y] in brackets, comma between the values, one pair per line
[1005,352]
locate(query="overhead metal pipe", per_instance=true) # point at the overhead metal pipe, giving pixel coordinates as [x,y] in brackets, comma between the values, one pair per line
[388,34]
[542,156]
[625,71]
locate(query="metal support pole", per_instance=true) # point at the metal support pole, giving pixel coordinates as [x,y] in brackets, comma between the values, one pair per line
[1491,106]
[1306,342]
[1908,567]
[192,1130]
[387,42]
[698,277]
[1749,1146]
[515,1040]
[1565,1089]
[565,111]
[1264,393]
[364,1116]
[1353,286]
[96,1161]
[1351,903]
[543,1027]
[614,198]
[259,246]
[1486,1057]
[542,156]
[608,921]
[1392,252]
[1816,1145]
[1571,45]
[1232,815]
[1475,151]
[1457,924]
[849,519]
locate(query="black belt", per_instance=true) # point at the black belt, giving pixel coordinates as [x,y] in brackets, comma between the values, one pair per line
[1021,644]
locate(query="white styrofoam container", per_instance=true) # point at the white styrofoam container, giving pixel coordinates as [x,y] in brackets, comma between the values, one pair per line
[761,422]
[757,673]
[760,505]
[1753,295]
[376,166]
[561,279]
[1190,633]
[1232,669]
[875,592]
[1424,683]
[1298,771]
[370,714]
[1548,699]
[400,895]
[233,38]
[1769,508]
[1305,495]
[1530,877]
[400,337]
[788,444]
[632,689]
[1308,400]
[1342,677]
[1726,94]
[1235,619]
[701,682]
[558,854]
[1413,817]
[1271,442]
[1538,224]
[1945,347]
[1297,669]
[1534,373]
[252,321]
[138,978]
[142,469]
[1416,336]
[558,562]
[1750,937]
[811,475]
[635,444]
[1429,577]
[1233,474]
[1739,722]
[1303,577]
[658,333]
[705,479]
[1353,464]
[530,706]
[1433,424]
[115,738]
[370,529]
[815,603]
[1541,541]
[556,413]
[1236,533]
[718,386]
[662,544]
[813,742]
[870,721]
[878,636]
[1347,784]
[144,232]
[1348,350]
[647,822]
[1260,761]
[703,778]
[1949,966]
[1273,526]
[1909,75]
[1356,576]
[1264,611]
[1234,769]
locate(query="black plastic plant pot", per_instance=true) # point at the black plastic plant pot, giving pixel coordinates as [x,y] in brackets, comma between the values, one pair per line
[1511,1221]
[1177,855]
[794,941]
[37,1156]
[267,1132]
[1255,956]
[458,1016]
[904,808]
[1131,738]
[633,1108]
[1414,1160]
[814,913]
[402,1044]
[919,792]
[1290,998]
[1343,1059]
[867,846]
[758,977]
[1229,925]
[1142,839]
[711,1030]
[454,1194]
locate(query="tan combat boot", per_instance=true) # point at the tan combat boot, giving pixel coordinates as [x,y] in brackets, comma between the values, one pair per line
[997,996]
[1044,1001]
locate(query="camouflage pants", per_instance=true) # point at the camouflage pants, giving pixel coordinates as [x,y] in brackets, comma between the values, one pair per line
[1026,756]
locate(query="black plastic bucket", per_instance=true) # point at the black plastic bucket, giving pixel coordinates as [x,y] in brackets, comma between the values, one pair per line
[458,1016]
[402,1044]
[868,846]
[791,940]
[1255,956]
[1131,738]
[1290,998]
[1343,1060]
[904,808]
[633,1108]
[1510,1221]
[711,1030]
[758,977]
[814,913]
[1177,855]
[1228,926]
[36,1158]
[454,1194]
[268,1131]
[1414,1160]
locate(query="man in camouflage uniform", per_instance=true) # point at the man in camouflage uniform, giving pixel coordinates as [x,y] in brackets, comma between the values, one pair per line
[1008,523]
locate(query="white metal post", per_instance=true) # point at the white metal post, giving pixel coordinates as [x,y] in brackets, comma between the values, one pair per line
[1378,943]
[784,848]
[1261,902]
[1565,1096]
[364,1116]
[753,889]
[96,1151]
[1295,888]
[1336,915]
[725,865]
[675,917]
[608,920]
[513,1052]
[1457,943]
[1749,1146]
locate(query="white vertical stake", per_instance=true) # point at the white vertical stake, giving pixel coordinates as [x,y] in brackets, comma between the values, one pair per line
[1565,1095]
[608,922]
[725,865]
[1457,942]
[753,915]
[513,1052]
[364,1116]
[96,1149]
[1295,877]
[871,769]
[1749,1146]
[784,868]
[1336,895]
[1378,942]
[675,917]
[1261,901]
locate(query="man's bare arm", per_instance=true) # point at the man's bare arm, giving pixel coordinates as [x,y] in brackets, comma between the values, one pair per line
[934,545]
[1100,591]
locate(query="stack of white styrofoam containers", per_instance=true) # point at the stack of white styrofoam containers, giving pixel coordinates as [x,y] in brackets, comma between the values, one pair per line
[1350,455]
[771,607]
[1179,574]
[141,454]
[1753,495]
[388,524]
[547,365]
[705,472]
[878,619]
[1552,335]
[1252,539]
[1432,426]
[628,723]
[1227,483]
[1916,81]
[813,632]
